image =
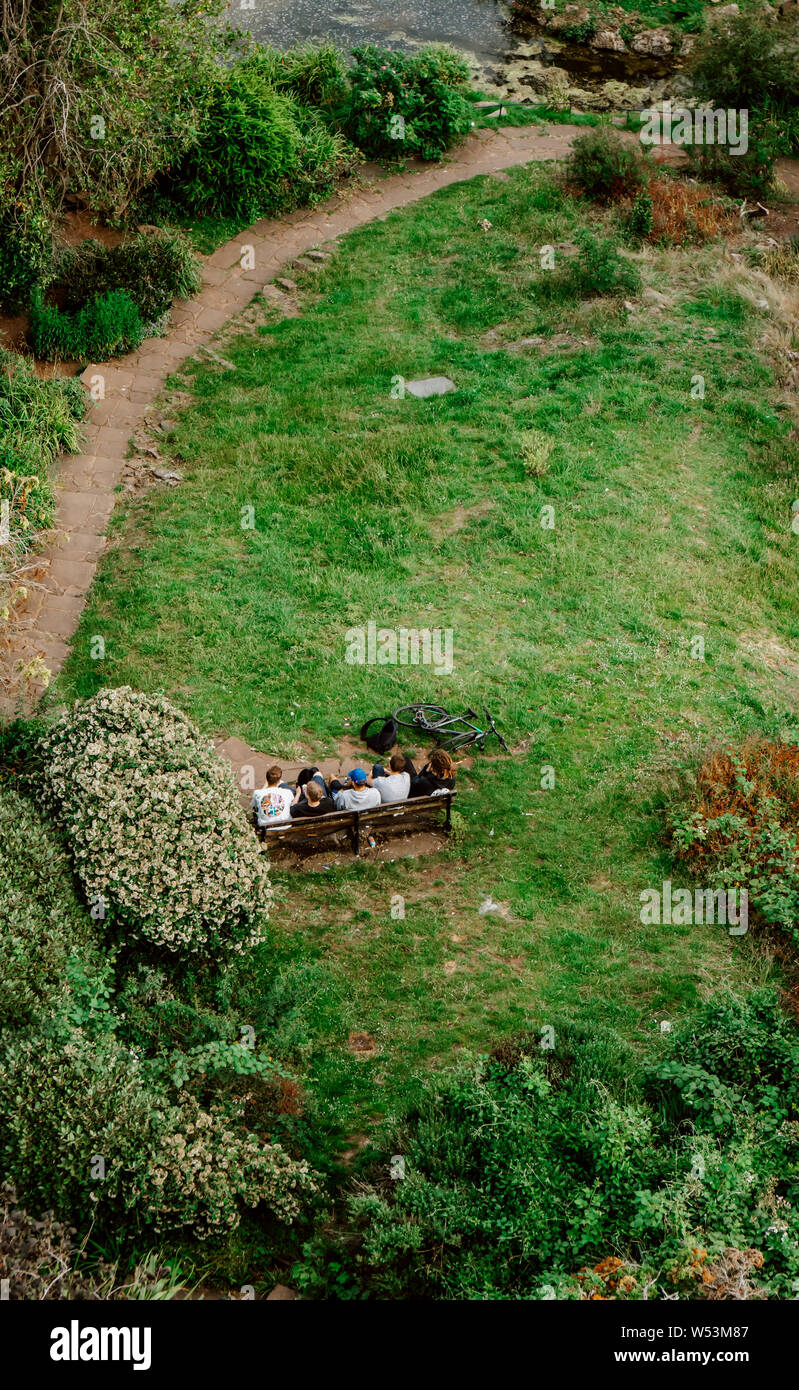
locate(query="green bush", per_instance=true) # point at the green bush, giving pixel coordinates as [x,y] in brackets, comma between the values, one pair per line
[260,151]
[107,95]
[151,268]
[72,1090]
[530,1173]
[107,327]
[597,270]
[402,105]
[42,924]
[26,245]
[38,420]
[638,222]
[67,1101]
[605,166]
[314,73]
[154,824]
[740,827]
[737,1063]
[600,270]
[748,63]
[742,175]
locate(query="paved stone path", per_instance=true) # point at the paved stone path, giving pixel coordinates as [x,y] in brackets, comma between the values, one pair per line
[249,764]
[86,482]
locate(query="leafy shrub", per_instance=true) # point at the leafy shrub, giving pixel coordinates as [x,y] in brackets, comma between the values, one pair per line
[147,68]
[42,924]
[605,165]
[26,244]
[107,327]
[167,1163]
[72,1089]
[36,1257]
[638,221]
[152,269]
[403,104]
[521,1167]
[38,420]
[741,826]
[737,1062]
[598,269]
[578,33]
[314,73]
[154,825]
[742,175]
[259,150]
[748,63]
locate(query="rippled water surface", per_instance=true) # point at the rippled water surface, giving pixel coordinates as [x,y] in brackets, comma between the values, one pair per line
[475,26]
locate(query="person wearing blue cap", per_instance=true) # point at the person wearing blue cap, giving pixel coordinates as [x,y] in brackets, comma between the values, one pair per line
[355,794]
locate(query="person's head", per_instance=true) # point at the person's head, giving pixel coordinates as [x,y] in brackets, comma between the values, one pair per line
[397,762]
[441,763]
[306,775]
[273,775]
[313,793]
[357,777]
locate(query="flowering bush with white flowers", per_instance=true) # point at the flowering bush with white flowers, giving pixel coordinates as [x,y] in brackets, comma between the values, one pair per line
[67,1102]
[208,1166]
[154,824]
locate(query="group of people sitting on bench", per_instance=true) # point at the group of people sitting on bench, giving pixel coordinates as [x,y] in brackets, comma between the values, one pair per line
[278,803]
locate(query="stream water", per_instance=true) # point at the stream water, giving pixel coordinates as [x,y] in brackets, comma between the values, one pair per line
[479,28]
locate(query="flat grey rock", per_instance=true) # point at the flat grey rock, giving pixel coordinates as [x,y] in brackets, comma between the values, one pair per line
[430,386]
[526,343]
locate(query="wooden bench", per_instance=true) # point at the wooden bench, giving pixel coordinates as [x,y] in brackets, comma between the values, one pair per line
[396,815]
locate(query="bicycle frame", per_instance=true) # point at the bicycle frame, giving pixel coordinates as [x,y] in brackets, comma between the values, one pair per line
[449,731]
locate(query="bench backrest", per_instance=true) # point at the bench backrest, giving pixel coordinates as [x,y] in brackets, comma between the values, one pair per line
[388,813]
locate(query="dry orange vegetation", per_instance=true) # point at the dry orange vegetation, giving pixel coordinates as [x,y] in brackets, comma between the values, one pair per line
[684,212]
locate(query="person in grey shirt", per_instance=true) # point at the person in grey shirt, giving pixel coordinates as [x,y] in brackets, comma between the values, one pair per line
[394,785]
[356,794]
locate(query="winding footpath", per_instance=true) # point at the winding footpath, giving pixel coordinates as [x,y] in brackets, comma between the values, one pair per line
[86,482]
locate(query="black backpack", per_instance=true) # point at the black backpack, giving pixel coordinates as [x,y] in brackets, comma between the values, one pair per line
[385,738]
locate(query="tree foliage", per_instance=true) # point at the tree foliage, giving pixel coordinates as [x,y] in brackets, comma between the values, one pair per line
[97,96]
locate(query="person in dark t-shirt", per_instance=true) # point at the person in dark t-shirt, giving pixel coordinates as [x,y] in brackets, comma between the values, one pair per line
[313,803]
[438,774]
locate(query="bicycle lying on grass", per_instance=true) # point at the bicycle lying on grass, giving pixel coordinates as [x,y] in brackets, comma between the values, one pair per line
[451,731]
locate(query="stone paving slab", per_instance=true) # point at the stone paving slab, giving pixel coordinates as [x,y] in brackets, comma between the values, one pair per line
[249,765]
[87,481]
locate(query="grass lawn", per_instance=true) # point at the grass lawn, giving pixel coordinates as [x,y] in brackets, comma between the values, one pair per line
[671,522]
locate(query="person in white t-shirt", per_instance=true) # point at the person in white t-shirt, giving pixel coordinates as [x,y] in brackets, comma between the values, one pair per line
[272,803]
[393,785]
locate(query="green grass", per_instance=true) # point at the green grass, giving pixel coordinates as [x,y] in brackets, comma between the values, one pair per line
[685,15]
[671,520]
[517,113]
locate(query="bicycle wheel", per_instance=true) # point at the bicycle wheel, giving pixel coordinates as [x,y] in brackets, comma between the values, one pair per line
[419,716]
